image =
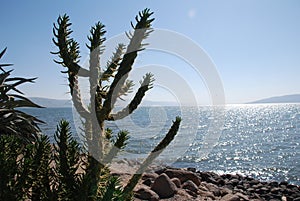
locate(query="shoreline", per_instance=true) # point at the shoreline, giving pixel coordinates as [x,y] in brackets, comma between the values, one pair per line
[176,184]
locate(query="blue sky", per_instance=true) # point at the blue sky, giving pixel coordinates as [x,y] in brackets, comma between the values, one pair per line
[255,44]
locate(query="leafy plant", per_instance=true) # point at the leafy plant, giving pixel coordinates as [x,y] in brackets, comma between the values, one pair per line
[12,120]
[106,86]
[25,171]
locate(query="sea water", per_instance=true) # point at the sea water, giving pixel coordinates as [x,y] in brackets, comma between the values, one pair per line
[262,141]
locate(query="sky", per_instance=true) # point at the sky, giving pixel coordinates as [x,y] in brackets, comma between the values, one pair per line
[253,44]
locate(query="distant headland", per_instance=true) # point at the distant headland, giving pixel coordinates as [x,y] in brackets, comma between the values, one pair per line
[294,98]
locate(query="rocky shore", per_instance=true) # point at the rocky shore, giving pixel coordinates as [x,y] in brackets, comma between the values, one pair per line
[173,184]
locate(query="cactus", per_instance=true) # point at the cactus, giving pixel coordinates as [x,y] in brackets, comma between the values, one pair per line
[104,94]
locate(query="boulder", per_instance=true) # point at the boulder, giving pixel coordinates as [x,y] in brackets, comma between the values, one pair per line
[191,169]
[146,194]
[212,188]
[149,176]
[230,197]
[163,186]
[183,175]
[177,182]
[208,177]
[190,186]
[147,182]
[206,194]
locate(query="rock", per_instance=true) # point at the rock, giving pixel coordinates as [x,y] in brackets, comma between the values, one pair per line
[149,175]
[177,182]
[220,182]
[160,171]
[206,176]
[225,191]
[146,194]
[275,190]
[184,195]
[285,183]
[233,182]
[231,197]
[257,186]
[183,175]
[212,188]
[192,193]
[229,186]
[191,169]
[242,196]
[254,182]
[246,185]
[163,186]
[206,194]
[190,186]
[239,186]
[202,187]
[273,184]
[147,182]
[263,190]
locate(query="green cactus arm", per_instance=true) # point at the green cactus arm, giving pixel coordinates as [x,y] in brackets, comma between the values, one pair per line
[113,63]
[146,84]
[111,69]
[68,50]
[96,48]
[118,145]
[154,154]
[69,53]
[126,89]
[77,100]
[141,31]
[96,38]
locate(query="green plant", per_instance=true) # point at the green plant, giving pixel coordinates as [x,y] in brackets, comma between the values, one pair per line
[25,171]
[12,120]
[106,86]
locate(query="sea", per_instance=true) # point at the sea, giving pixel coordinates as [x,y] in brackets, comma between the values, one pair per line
[257,140]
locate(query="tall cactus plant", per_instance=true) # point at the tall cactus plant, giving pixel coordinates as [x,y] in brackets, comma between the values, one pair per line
[106,86]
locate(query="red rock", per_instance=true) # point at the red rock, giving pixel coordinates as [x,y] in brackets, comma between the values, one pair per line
[164,187]
[183,175]
[177,182]
[149,175]
[206,194]
[192,193]
[212,188]
[146,194]
[147,182]
[231,197]
[190,186]
[244,197]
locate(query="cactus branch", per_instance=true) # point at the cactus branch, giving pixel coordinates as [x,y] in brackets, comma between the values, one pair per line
[140,32]
[119,144]
[76,98]
[113,64]
[146,84]
[68,50]
[154,153]
[96,40]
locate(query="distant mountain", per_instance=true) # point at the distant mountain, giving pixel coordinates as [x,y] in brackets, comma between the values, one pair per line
[295,98]
[48,102]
